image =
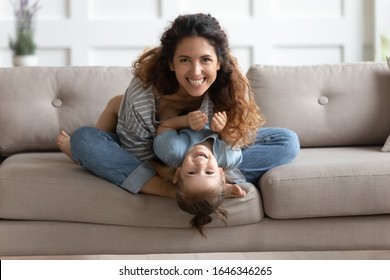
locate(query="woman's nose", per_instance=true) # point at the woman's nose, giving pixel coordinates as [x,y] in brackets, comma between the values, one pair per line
[196,69]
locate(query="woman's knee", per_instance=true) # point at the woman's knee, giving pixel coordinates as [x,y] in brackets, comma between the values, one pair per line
[82,138]
[283,142]
[291,143]
[84,132]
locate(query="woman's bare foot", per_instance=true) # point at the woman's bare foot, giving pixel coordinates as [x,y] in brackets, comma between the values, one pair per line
[63,142]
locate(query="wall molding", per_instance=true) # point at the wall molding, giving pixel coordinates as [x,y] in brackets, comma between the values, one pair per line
[113,32]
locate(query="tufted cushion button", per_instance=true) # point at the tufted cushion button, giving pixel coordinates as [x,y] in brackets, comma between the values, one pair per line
[323,100]
[57,103]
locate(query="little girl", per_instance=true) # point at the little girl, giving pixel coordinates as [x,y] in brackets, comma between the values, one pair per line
[200,159]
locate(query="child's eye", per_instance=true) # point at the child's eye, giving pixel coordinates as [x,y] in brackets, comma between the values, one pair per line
[191,172]
[209,172]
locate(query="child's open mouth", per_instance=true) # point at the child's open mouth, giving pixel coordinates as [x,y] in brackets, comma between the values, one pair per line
[200,154]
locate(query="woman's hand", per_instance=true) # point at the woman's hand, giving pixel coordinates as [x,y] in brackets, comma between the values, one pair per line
[164,171]
[196,120]
[219,121]
[233,190]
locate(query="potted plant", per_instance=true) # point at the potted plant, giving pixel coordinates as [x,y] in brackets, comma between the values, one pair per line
[23,46]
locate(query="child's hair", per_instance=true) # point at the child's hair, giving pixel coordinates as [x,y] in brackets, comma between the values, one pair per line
[201,204]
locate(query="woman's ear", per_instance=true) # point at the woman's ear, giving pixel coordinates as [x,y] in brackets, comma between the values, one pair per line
[176,176]
[171,66]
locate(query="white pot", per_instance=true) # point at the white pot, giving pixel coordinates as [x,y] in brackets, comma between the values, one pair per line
[25,60]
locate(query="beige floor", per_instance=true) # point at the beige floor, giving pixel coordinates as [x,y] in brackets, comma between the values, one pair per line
[323,255]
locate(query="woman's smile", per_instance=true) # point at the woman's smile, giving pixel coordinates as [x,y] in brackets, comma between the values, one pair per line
[197,82]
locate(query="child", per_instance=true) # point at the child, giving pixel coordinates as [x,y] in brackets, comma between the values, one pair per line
[200,158]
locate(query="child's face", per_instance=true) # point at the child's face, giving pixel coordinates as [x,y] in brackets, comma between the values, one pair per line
[200,170]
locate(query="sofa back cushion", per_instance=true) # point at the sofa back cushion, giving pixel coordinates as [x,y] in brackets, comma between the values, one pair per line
[36,103]
[326,105]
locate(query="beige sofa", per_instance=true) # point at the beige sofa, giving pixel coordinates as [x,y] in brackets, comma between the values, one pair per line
[334,196]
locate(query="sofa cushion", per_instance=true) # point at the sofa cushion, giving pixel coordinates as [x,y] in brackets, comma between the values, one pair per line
[36,103]
[325,182]
[49,186]
[326,105]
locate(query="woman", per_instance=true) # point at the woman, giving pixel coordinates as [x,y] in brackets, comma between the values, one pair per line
[191,70]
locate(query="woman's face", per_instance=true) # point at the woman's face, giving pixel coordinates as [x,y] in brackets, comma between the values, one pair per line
[195,64]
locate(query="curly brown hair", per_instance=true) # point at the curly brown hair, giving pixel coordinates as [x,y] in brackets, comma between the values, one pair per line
[230,92]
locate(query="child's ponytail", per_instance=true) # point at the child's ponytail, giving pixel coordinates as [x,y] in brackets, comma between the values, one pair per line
[202,205]
[198,221]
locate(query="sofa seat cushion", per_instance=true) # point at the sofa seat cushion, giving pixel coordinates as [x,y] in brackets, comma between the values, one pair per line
[49,186]
[325,182]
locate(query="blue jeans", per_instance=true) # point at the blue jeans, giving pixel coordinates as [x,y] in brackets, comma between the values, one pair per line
[100,152]
[273,147]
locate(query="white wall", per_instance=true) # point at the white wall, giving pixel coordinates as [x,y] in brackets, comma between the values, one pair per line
[114,32]
[382,25]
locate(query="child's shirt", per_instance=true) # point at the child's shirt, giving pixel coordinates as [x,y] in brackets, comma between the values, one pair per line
[172,146]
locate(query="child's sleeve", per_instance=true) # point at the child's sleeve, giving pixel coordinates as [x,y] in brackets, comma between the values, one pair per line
[171,147]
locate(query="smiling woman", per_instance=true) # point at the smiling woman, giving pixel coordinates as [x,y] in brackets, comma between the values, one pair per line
[228,92]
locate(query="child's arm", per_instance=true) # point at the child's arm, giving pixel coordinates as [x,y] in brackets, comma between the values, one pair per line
[195,120]
[174,123]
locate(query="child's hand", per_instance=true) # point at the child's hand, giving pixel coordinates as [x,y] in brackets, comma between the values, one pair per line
[196,120]
[219,121]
